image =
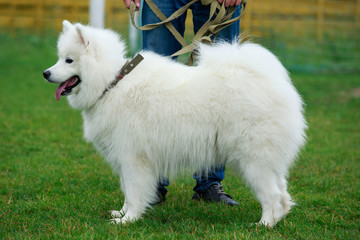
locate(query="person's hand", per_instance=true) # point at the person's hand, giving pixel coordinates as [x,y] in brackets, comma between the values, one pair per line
[229,3]
[137,3]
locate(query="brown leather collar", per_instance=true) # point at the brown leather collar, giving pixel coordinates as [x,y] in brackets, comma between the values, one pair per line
[126,69]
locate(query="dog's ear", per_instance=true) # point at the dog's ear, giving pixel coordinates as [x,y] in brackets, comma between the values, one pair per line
[81,33]
[67,26]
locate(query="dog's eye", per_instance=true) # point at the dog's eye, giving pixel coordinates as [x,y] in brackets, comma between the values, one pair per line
[68,60]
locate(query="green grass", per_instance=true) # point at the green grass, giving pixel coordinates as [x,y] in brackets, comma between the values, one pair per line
[54,185]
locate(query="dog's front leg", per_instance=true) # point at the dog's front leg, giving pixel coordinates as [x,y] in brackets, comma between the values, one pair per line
[138,182]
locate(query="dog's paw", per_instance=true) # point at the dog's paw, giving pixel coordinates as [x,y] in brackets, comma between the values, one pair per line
[116,214]
[115,221]
[267,224]
[258,225]
[123,220]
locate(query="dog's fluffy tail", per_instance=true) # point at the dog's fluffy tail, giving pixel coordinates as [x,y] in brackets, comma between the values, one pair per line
[245,55]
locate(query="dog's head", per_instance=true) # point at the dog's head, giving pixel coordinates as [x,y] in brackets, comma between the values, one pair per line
[89,59]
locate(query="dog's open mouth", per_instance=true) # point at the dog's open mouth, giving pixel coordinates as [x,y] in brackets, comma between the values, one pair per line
[66,87]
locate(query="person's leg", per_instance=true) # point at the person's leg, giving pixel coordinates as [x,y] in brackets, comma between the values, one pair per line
[201,15]
[205,180]
[208,184]
[208,187]
[161,40]
[161,191]
[231,32]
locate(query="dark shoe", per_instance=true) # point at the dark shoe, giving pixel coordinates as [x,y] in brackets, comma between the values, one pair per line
[215,193]
[161,194]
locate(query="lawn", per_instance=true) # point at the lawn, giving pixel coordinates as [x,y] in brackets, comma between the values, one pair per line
[55,185]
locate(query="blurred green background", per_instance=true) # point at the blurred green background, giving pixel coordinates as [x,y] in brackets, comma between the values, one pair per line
[307,35]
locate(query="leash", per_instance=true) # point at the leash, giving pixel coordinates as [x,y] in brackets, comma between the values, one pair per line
[219,18]
[126,69]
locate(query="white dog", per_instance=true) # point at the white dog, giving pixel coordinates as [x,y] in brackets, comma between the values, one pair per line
[237,106]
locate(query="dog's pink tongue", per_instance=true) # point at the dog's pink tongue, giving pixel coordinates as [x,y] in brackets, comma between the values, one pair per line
[62,86]
[60,89]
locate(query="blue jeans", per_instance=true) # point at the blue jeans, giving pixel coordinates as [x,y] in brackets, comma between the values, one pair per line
[161,41]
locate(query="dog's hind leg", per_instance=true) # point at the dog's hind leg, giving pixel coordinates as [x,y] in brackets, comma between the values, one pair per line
[286,201]
[264,181]
[139,182]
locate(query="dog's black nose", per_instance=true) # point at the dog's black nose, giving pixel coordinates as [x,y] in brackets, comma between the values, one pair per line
[46,74]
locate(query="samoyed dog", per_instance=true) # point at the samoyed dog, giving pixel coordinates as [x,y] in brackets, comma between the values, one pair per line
[236,106]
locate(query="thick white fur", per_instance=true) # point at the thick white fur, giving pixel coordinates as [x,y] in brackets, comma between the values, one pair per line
[237,106]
